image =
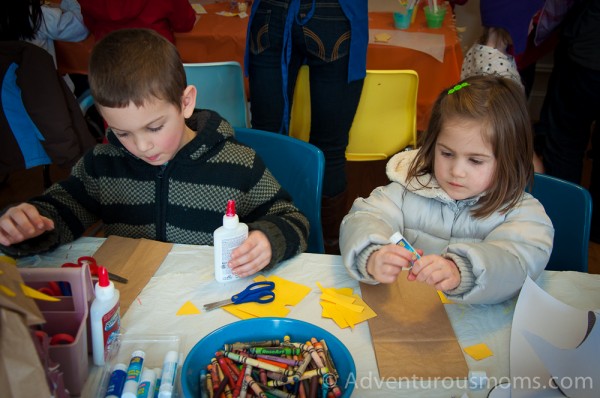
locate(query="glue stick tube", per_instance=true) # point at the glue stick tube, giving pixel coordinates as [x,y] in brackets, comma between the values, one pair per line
[134,372]
[146,386]
[398,239]
[116,381]
[169,370]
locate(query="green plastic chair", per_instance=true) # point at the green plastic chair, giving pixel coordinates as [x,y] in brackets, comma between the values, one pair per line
[569,206]
[299,167]
[220,88]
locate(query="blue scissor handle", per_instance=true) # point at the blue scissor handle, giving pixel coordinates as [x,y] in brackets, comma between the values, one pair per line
[258,292]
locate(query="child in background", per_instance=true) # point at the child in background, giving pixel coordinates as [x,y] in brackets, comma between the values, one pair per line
[459,199]
[161,176]
[41,24]
[163,16]
[489,56]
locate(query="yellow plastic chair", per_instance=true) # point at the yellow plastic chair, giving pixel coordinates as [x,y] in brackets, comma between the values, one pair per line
[386,119]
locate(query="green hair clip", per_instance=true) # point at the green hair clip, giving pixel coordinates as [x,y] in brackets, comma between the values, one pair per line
[458,87]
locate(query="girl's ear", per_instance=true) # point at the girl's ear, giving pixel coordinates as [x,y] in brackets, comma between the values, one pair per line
[188,101]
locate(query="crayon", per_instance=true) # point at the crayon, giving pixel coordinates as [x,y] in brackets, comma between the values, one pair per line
[255,387]
[302,367]
[246,374]
[274,350]
[249,344]
[251,361]
[283,360]
[306,375]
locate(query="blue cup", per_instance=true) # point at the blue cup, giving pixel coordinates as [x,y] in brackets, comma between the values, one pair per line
[402,20]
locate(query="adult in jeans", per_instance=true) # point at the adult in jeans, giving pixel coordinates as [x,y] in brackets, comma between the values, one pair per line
[331,37]
[572,103]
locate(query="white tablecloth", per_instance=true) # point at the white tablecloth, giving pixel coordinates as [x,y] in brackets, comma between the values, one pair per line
[187,274]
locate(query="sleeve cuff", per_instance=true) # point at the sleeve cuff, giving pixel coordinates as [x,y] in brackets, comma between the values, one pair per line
[467,278]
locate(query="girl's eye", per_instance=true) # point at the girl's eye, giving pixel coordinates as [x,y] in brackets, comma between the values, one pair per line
[446,154]
[155,129]
[476,161]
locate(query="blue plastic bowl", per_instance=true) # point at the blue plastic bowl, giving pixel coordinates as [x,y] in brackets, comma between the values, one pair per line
[263,329]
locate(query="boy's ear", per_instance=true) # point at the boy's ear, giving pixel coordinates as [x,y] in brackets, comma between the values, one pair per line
[188,101]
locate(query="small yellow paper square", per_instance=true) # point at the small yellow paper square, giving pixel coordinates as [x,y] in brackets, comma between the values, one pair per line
[382,37]
[478,351]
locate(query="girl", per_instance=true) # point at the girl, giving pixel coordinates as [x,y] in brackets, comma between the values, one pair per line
[459,199]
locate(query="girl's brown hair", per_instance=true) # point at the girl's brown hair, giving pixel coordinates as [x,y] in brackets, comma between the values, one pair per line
[135,65]
[500,106]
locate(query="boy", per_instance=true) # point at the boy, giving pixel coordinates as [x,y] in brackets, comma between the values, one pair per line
[167,171]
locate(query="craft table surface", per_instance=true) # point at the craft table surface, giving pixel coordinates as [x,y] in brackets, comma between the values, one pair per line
[217,38]
[187,274]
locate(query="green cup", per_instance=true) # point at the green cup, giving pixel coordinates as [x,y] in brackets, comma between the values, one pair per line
[435,19]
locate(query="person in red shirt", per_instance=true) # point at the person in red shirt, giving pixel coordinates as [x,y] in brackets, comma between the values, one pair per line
[164,16]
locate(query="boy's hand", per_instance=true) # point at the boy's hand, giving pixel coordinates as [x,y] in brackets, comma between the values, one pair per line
[385,264]
[252,255]
[22,222]
[436,271]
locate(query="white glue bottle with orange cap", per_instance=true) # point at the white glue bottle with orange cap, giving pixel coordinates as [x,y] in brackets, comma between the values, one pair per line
[226,238]
[105,316]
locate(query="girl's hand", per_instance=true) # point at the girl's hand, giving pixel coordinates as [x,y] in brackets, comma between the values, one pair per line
[22,222]
[436,271]
[252,255]
[385,264]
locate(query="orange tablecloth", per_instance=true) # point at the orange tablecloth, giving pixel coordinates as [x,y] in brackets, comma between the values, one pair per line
[218,38]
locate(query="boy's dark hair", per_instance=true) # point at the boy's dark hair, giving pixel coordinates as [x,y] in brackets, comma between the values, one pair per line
[135,65]
[499,105]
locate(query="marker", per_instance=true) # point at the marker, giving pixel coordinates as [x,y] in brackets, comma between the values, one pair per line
[398,239]
[134,371]
[146,386]
[116,381]
[168,374]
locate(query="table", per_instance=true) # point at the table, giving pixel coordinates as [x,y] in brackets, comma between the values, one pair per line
[217,38]
[187,274]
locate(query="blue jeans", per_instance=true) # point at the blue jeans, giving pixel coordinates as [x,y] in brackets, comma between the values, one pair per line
[322,43]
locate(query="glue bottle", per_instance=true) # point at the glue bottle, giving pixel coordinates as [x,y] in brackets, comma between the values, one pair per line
[226,239]
[105,317]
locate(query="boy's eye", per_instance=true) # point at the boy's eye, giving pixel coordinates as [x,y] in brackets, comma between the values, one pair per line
[154,129]
[120,135]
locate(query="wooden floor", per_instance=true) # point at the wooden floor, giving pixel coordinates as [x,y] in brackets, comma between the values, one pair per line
[362,178]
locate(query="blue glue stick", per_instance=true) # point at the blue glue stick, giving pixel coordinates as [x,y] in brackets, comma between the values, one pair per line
[398,239]
[116,381]
[134,372]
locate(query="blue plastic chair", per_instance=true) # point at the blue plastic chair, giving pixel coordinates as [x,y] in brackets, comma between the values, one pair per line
[569,206]
[299,167]
[220,88]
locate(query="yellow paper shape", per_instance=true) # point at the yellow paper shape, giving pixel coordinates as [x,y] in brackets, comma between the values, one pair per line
[479,351]
[382,37]
[343,313]
[342,302]
[7,291]
[188,308]
[445,300]
[8,260]
[36,294]
[335,314]
[287,293]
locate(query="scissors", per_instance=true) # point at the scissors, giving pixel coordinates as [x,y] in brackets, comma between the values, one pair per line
[91,261]
[258,292]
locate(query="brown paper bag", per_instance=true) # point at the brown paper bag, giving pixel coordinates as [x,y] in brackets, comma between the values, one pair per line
[21,370]
[135,259]
[412,335]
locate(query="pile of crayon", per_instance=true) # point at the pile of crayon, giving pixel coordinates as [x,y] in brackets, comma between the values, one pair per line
[271,368]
